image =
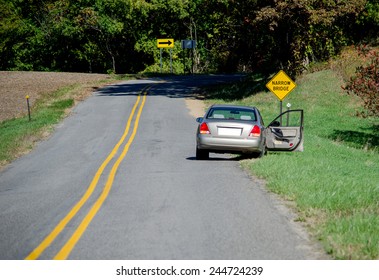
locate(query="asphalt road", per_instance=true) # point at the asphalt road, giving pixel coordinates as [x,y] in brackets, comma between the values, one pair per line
[118,180]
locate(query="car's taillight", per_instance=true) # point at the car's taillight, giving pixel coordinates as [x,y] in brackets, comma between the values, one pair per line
[204,128]
[256,131]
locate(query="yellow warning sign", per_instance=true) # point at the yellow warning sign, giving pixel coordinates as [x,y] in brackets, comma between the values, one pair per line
[281,85]
[165,43]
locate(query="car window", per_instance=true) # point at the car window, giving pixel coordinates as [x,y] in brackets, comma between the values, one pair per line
[232,114]
[260,116]
[289,119]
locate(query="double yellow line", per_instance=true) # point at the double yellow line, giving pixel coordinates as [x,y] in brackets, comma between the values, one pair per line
[75,237]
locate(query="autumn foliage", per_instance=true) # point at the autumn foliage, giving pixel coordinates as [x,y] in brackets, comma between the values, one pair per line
[365,83]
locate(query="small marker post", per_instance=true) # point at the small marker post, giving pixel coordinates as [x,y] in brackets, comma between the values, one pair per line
[288,115]
[27,102]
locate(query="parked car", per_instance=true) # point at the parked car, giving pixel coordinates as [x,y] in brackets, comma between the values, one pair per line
[241,130]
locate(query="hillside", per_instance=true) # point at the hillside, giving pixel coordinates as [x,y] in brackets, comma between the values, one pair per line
[16,85]
[333,184]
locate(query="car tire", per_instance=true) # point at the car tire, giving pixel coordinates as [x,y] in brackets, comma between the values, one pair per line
[260,154]
[202,154]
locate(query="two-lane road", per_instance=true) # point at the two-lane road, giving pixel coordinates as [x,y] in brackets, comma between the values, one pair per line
[119,180]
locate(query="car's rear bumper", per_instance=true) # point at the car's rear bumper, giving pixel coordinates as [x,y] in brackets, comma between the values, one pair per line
[219,144]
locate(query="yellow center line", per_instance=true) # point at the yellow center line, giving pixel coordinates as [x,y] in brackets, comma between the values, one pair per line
[63,223]
[70,244]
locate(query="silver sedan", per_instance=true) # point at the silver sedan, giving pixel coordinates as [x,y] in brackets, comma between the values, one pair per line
[240,129]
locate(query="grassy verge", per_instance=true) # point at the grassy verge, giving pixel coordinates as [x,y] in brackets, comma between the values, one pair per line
[335,181]
[18,136]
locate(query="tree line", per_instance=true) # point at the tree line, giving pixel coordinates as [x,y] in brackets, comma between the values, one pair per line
[232,35]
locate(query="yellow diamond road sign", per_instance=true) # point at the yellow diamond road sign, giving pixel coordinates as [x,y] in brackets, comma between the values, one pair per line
[281,85]
[165,43]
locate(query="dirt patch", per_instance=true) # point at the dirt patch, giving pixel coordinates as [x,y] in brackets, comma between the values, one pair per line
[16,85]
[196,107]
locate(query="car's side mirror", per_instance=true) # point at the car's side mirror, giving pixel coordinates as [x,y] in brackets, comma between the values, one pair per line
[200,120]
[275,123]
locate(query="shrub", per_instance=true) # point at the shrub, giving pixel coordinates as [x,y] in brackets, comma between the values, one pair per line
[365,83]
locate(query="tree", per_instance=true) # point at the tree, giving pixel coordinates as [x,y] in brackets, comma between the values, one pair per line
[120,35]
[368,23]
[10,24]
[296,32]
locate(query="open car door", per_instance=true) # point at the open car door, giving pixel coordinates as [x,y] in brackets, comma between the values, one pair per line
[285,133]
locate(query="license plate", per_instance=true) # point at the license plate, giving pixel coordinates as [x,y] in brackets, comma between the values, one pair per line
[227,131]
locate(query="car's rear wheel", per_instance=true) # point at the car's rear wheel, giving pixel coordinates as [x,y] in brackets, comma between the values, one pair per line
[260,154]
[202,154]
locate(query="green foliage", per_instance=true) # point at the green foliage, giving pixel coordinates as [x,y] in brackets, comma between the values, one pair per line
[372,8]
[240,35]
[300,32]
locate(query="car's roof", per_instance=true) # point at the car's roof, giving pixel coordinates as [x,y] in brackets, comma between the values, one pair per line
[228,106]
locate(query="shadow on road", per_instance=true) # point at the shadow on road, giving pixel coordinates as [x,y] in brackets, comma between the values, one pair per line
[222,157]
[172,87]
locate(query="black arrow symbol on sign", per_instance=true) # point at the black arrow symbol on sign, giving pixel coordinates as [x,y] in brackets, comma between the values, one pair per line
[165,43]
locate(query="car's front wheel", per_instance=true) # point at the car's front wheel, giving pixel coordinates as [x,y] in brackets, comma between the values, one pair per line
[202,154]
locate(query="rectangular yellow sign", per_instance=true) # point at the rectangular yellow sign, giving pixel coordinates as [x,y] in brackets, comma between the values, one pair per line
[165,43]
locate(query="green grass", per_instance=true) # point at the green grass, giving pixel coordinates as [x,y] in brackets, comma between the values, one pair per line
[18,136]
[335,181]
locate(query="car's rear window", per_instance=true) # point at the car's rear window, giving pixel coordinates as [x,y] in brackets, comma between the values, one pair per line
[232,114]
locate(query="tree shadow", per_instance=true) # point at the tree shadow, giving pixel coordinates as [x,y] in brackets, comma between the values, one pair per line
[170,86]
[368,140]
[237,91]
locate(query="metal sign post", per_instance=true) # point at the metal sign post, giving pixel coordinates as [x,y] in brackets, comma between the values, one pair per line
[28,104]
[164,44]
[288,115]
[189,44]
[171,61]
[161,60]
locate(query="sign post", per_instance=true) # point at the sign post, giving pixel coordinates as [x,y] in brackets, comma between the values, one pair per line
[188,44]
[165,43]
[27,103]
[160,60]
[281,85]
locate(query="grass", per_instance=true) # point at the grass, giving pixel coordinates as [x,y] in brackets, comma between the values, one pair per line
[335,181]
[18,136]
